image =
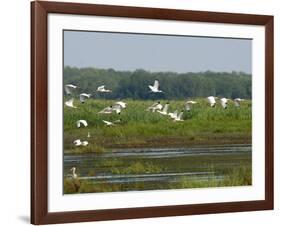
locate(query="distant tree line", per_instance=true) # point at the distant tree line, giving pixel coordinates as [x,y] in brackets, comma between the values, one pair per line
[134,84]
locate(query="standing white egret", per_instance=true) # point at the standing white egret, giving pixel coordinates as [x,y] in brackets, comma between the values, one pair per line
[69,88]
[102,89]
[179,117]
[88,135]
[69,103]
[84,96]
[81,122]
[154,107]
[188,104]
[212,101]
[165,110]
[174,114]
[75,179]
[237,102]
[224,102]
[73,175]
[155,87]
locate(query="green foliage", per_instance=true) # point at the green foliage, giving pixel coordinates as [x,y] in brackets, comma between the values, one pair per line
[240,175]
[138,127]
[134,84]
[138,167]
[71,185]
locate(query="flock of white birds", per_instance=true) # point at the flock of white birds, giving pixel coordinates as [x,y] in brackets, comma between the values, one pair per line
[118,106]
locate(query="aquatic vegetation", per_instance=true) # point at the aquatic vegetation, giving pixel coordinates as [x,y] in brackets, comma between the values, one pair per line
[192,168]
[140,128]
[138,167]
[238,176]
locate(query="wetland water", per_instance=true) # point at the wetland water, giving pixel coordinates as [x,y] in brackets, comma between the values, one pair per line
[157,168]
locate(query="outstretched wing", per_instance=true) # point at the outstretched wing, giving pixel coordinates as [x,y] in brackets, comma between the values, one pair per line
[211,100]
[165,109]
[106,110]
[82,98]
[191,102]
[156,84]
[187,106]
[117,108]
[122,104]
[69,103]
[236,103]
[153,105]
[224,104]
[67,89]
[84,122]
[180,116]
[100,88]
[151,88]
[77,142]
[106,122]
[85,143]
[159,107]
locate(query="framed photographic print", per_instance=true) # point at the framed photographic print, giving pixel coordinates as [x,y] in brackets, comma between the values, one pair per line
[148,112]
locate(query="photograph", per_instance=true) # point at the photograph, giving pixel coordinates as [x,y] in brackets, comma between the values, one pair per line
[155,111]
[148,111]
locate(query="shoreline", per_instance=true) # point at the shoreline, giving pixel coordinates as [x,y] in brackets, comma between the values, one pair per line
[169,143]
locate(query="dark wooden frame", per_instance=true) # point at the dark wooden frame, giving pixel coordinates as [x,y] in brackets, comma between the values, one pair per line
[39,107]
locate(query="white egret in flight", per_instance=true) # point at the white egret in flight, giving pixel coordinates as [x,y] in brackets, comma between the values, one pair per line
[165,110]
[81,122]
[122,104]
[117,108]
[69,103]
[102,89]
[224,102]
[108,123]
[237,102]
[69,88]
[154,107]
[174,114]
[179,117]
[212,101]
[84,96]
[155,87]
[188,104]
[107,110]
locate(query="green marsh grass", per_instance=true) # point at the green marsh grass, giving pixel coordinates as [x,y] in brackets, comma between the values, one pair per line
[140,128]
[238,176]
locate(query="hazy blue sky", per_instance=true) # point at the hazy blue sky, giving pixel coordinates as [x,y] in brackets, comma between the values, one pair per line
[155,52]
